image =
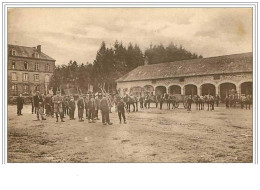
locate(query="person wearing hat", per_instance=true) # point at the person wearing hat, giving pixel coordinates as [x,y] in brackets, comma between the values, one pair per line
[104,107]
[80,105]
[57,105]
[91,109]
[72,107]
[20,102]
[121,110]
[38,104]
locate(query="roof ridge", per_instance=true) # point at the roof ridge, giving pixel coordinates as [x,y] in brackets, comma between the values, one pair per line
[199,58]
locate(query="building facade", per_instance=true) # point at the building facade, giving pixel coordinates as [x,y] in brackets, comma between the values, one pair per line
[214,75]
[29,70]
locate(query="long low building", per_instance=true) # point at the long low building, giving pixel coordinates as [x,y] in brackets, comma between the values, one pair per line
[213,75]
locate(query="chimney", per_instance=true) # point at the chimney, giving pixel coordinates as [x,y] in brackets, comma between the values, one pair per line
[39,48]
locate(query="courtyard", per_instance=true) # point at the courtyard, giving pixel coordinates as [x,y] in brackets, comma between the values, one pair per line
[150,135]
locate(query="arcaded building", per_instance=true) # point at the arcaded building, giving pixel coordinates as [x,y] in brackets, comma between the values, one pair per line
[29,70]
[213,75]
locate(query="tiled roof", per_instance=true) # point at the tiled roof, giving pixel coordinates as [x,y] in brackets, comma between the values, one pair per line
[206,66]
[23,51]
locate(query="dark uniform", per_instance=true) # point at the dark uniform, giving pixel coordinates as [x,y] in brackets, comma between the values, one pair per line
[121,111]
[38,103]
[141,102]
[189,102]
[48,103]
[97,107]
[72,107]
[86,105]
[80,105]
[20,102]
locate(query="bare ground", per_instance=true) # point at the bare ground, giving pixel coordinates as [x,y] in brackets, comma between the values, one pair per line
[223,135]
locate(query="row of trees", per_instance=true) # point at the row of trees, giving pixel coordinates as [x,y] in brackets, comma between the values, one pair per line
[112,63]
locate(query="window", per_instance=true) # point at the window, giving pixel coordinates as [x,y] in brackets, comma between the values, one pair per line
[13,52]
[25,88]
[48,68]
[36,88]
[14,87]
[25,77]
[216,77]
[36,77]
[36,55]
[13,76]
[25,65]
[36,67]
[13,65]
[181,79]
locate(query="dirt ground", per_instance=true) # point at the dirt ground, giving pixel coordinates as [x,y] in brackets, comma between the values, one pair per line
[150,135]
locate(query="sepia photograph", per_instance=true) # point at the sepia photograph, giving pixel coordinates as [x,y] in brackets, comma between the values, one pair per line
[130,85]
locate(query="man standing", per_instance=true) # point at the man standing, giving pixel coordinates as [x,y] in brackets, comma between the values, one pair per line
[217,100]
[91,109]
[141,102]
[72,106]
[20,102]
[57,104]
[121,110]
[48,105]
[189,101]
[105,110]
[80,105]
[161,101]
[33,107]
[38,104]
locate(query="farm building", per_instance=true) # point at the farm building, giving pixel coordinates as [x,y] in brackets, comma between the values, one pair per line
[213,75]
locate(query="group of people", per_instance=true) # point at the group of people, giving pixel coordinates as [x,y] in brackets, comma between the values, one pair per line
[59,106]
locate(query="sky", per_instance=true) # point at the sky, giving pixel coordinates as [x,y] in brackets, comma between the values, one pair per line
[77,33]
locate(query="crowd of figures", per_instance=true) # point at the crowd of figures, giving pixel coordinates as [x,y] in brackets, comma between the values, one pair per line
[91,105]
[173,102]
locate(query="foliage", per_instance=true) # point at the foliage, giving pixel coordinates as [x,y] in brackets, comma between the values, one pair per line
[112,63]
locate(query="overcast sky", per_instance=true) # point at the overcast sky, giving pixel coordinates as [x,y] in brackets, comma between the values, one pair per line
[76,33]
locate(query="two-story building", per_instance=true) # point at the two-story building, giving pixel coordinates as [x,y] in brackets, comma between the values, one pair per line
[29,70]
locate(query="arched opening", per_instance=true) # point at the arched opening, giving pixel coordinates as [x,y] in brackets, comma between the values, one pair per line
[148,89]
[136,91]
[191,89]
[160,90]
[175,89]
[247,88]
[208,89]
[226,89]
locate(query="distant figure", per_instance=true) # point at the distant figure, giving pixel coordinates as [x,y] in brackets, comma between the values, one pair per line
[91,109]
[227,100]
[38,103]
[57,106]
[80,105]
[217,100]
[72,107]
[20,102]
[33,107]
[141,102]
[189,102]
[121,110]
[104,107]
